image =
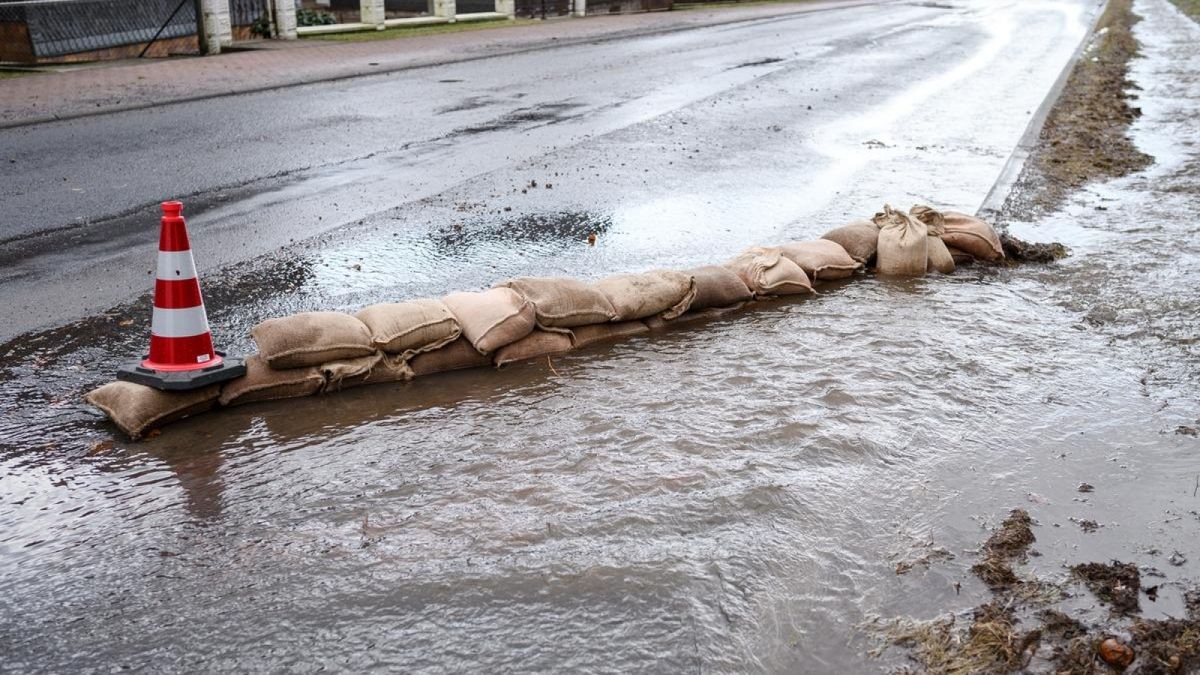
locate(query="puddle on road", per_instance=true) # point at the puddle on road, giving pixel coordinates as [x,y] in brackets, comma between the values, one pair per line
[729,498]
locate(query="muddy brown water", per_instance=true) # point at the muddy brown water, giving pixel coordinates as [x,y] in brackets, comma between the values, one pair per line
[729,498]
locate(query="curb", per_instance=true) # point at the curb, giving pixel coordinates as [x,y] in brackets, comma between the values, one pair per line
[993,203]
[546,46]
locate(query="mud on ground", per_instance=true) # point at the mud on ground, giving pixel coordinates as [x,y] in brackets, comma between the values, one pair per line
[1085,136]
[1025,627]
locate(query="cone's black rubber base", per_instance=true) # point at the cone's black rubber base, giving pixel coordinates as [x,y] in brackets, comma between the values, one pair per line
[227,369]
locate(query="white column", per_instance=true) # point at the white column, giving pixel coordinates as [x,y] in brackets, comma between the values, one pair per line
[224,23]
[580,8]
[372,13]
[445,9]
[507,8]
[210,14]
[285,19]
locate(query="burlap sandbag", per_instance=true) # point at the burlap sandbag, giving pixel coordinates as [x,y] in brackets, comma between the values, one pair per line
[493,318]
[972,235]
[717,286]
[536,345]
[821,259]
[859,238]
[136,408]
[766,272]
[604,332]
[960,257]
[560,302]
[938,258]
[409,328]
[310,339]
[654,323]
[903,247]
[263,383]
[454,356]
[665,293]
[375,369]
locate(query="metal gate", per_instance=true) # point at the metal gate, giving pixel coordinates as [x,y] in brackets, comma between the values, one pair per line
[250,19]
[542,9]
[39,30]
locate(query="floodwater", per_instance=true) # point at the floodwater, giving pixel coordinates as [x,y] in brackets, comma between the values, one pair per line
[726,497]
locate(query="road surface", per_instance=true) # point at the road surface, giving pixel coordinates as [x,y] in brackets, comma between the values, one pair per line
[808,114]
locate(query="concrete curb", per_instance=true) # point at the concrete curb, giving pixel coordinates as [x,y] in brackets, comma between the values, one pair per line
[993,203]
[547,46]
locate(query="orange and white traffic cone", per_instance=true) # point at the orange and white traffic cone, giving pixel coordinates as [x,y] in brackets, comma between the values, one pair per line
[181,349]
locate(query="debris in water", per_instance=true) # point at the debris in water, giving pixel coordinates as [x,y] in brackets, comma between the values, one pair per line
[1019,250]
[100,448]
[1006,544]
[1085,487]
[934,555]
[1115,653]
[1116,584]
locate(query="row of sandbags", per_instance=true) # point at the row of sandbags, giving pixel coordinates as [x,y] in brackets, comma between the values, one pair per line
[537,317]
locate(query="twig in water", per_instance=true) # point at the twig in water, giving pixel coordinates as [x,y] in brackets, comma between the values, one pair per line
[551,364]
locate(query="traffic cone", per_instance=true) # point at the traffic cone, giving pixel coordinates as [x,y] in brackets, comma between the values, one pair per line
[181,348]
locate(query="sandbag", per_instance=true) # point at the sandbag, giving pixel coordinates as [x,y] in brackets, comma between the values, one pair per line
[766,272]
[938,257]
[375,369]
[263,383]
[492,318]
[538,344]
[310,339]
[409,328]
[960,257]
[903,247]
[859,238]
[655,323]
[717,286]
[603,332]
[454,356]
[821,259]
[136,408]
[560,302]
[666,293]
[972,235]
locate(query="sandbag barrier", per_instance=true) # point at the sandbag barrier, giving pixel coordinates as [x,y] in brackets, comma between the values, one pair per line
[533,318]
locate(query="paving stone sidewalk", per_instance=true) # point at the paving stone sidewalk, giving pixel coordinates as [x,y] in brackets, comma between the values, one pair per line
[139,84]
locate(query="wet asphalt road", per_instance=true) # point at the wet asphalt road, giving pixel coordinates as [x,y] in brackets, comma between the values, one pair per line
[262,170]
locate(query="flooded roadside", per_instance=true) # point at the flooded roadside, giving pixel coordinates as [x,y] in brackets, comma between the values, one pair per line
[1103,579]
[727,499]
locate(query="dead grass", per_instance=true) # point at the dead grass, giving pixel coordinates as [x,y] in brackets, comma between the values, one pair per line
[1115,583]
[1085,136]
[1006,545]
[1167,647]
[1189,7]
[990,642]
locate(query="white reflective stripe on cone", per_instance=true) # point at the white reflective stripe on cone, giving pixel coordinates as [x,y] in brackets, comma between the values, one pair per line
[178,323]
[176,265]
